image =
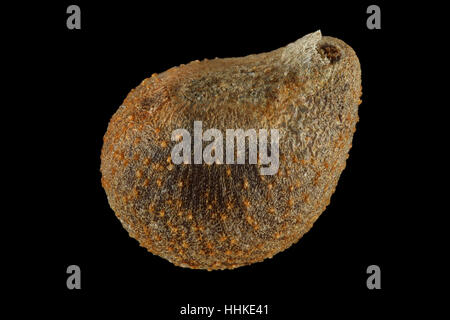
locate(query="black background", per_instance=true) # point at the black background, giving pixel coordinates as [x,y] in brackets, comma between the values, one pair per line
[87,74]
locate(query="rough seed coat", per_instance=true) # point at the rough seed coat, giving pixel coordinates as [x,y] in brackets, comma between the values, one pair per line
[227,216]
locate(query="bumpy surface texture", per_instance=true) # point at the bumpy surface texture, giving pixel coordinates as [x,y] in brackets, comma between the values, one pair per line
[224,216]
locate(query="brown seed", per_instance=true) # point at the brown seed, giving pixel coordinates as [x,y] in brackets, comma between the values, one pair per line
[309,90]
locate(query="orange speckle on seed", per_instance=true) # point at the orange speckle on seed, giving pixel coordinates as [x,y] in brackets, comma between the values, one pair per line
[173,229]
[306,198]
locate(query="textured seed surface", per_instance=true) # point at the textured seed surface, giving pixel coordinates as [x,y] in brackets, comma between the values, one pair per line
[224,216]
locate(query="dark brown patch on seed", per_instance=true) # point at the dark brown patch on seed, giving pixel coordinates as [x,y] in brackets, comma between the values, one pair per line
[330,52]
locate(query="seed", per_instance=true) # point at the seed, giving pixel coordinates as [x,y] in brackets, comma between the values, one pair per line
[301,90]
